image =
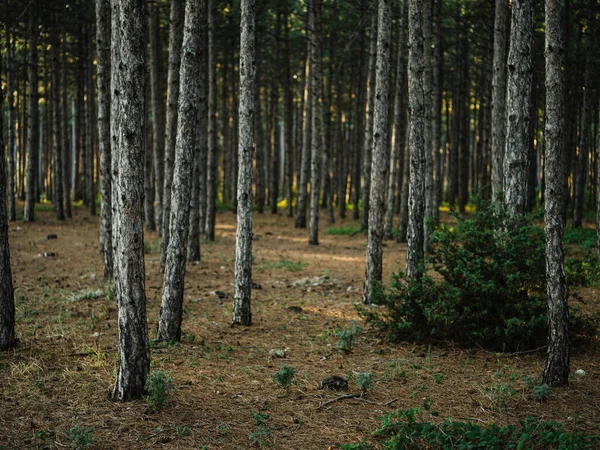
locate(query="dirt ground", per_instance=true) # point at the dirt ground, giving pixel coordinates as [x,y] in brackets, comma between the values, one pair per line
[61,373]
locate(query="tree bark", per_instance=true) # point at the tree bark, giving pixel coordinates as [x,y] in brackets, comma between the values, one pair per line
[7,296]
[556,370]
[518,107]
[211,164]
[65,135]
[128,76]
[499,96]
[103,27]
[158,114]
[90,122]
[416,196]
[12,130]
[57,124]
[427,137]
[288,118]
[175,39]
[379,172]
[171,309]
[32,119]
[317,121]
[275,134]
[242,314]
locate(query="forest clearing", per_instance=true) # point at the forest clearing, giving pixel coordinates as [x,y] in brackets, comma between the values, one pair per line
[61,374]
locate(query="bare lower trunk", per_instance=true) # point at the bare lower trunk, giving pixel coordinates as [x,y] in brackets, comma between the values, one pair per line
[379,172]
[175,39]
[7,296]
[32,119]
[128,75]
[104,72]
[57,125]
[211,164]
[317,121]
[556,371]
[242,314]
[12,130]
[427,137]
[416,200]
[65,135]
[518,107]
[499,96]
[288,118]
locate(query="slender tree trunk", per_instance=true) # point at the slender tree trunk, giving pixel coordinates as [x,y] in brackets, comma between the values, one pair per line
[368,144]
[242,314]
[499,96]
[128,77]
[171,308]
[33,148]
[597,189]
[288,117]
[90,122]
[149,213]
[416,201]
[518,107]
[211,164]
[436,99]
[427,137]
[65,135]
[103,27]
[260,152]
[7,295]
[175,39]
[306,130]
[317,121]
[463,126]
[57,123]
[12,130]
[275,134]
[158,114]
[379,172]
[556,371]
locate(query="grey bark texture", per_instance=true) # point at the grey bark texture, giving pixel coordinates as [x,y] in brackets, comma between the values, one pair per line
[7,296]
[499,95]
[169,322]
[57,150]
[211,163]
[556,370]
[175,40]
[103,79]
[518,107]
[242,314]
[288,117]
[128,98]
[306,131]
[379,170]
[368,143]
[90,123]
[12,130]
[316,75]
[65,135]
[416,144]
[32,119]
[158,114]
[427,136]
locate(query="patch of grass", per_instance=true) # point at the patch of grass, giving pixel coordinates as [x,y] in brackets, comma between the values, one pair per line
[542,392]
[283,263]
[345,231]
[584,237]
[284,377]
[158,385]
[93,295]
[347,338]
[152,246]
[81,436]
[365,381]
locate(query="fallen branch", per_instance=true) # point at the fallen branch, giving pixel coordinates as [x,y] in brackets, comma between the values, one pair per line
[358,397]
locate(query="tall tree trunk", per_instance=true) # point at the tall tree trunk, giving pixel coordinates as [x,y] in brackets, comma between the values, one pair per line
[12,130]
[416,144]
[65,135]
[171,308]
[149,213]
[464,121]
[90,122]
[158,113]
[242,314]
[128,77]
[436,99]
[379,172]
[597,189]
[275,134]
[556,370]
[7,295]
[518,107]
[306,130]
[57,123]
[175,39]
[211,163]
[103,27]
[33,147]
[368,144]
[317,121]
[260,152]
[499,96]
[288,117]
[427,137]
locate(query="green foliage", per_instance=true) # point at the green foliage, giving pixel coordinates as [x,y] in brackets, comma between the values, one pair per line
[491,289]
[541,392]
[345,231]
[152,246]
[403,430]
[347,338]
[284,377]
[365,381]
[584,271]
[283,263]
[158,385]
[81,436]
[584,237]
[261,437]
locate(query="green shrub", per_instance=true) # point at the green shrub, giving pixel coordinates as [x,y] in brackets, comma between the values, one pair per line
[284,377]
[347,338]
[365,381]
[583,271]
[403,430]
[158,385]
[541,392]
[491,289]
[81,436]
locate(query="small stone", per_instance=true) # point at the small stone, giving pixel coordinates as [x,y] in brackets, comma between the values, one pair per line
[256,286]
[278,352]
[580,372]
[295,309]
[335,383]
[52,236]
[49,255]
[296,420]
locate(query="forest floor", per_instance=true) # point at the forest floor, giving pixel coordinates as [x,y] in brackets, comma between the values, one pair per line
[61,373]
